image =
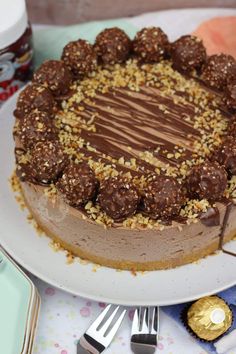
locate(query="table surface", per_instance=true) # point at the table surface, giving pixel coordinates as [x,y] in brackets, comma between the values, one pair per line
[77,11]
[64,317]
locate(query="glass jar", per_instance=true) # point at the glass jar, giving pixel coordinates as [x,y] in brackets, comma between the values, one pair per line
[16,49]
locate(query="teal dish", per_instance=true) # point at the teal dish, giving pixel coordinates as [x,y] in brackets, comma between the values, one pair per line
[15,299]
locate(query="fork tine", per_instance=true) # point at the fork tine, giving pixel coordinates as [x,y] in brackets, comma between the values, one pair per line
[106,325]
[135,323]
[116,326]
[100,318]
[158,319]
[148,318]
[144,327]
[155,321]
[139,318]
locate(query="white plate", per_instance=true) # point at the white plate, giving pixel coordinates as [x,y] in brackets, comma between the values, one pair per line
[165,287]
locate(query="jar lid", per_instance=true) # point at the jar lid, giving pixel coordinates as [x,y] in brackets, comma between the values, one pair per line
[13,21]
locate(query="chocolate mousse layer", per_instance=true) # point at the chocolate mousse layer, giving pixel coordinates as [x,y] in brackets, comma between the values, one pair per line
[125,248]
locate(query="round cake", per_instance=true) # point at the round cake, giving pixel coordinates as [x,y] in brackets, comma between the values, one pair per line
[126,150]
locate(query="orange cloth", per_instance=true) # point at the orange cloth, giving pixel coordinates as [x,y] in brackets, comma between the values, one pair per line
[219,35]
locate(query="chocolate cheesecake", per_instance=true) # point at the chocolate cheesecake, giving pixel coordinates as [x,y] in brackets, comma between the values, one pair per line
[126,150]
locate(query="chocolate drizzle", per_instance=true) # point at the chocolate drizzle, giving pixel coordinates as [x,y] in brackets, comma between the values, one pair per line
[229,207]
[135,119]
[211,217]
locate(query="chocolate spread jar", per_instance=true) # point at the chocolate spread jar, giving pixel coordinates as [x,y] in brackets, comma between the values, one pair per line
[16,51]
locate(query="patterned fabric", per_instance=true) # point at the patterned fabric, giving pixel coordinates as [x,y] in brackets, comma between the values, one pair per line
[65,317]
[228,295]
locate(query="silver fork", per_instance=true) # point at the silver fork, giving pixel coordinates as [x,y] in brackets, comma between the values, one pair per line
[145,330]
[100,334]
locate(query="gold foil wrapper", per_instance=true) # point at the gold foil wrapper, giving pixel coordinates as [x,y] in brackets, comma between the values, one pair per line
[209,317]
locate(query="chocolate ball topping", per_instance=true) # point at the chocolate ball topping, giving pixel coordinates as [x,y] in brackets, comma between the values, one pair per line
[207,180]
[78,183]
[34,127]
[34,97]
[119,198]
[231,129]
[54,75]
[23,168]
[218,70]
[230,96]
[47,161]
[112,46]
[226,155]
[163,197]
[80,57]
[150,44]
[188,53]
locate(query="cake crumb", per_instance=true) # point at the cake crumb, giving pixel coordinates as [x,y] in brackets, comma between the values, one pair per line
[69,258]
[55,246]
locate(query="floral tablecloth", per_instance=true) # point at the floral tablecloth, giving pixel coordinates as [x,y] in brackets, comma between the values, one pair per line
[65,317]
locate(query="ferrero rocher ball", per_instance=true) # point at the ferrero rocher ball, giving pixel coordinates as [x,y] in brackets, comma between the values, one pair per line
[230,96]
[163,197]
[226,155]
[23,168]
[47,161]
[78,183]
[207,180]
[119,198]
[188,53]
[54,75]
[209,318]
[34,96]
[218,70]
[36,126]
[80,57]
[150,45]
[231,129]
[112,46]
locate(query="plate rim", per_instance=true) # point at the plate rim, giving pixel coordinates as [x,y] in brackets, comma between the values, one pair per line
[99,298]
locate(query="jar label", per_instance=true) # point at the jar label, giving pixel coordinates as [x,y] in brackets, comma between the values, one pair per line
[16,66]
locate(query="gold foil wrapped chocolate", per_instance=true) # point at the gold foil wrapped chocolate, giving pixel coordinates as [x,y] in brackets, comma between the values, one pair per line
[209,317]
